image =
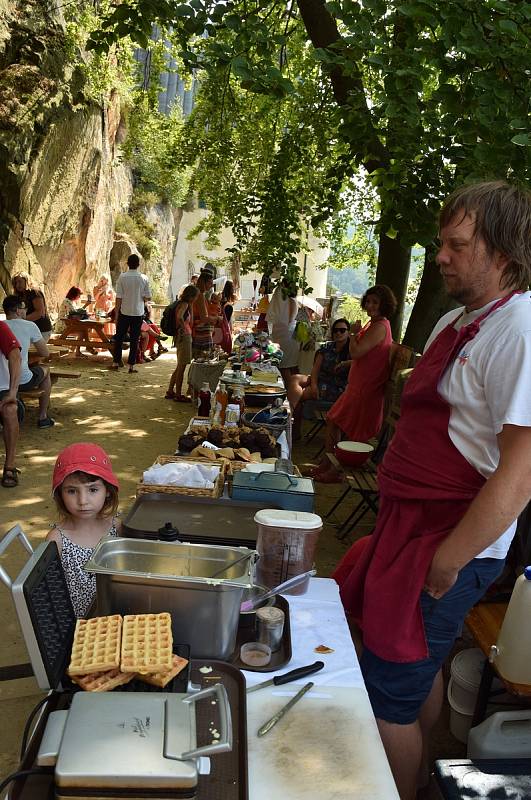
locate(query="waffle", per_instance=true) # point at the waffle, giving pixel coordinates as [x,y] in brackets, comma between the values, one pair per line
[103,681]
[161,679]
[147,643]
[96,645]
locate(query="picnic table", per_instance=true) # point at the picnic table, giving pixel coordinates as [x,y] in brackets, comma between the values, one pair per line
[56,352]
[77,334]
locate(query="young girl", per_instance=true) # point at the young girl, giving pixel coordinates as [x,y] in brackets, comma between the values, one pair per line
[183,340]
[85,491]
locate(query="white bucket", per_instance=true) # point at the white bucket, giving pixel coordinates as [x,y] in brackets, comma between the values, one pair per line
[465,670]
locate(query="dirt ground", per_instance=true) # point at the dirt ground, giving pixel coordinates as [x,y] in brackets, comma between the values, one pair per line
[129,417]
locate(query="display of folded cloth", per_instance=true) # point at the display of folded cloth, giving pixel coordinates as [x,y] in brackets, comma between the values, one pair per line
[186,474]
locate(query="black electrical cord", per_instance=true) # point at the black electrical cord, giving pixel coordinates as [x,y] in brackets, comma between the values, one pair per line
[27,726]
[23,773]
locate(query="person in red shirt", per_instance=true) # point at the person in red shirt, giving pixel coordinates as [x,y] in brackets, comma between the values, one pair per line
[10,366]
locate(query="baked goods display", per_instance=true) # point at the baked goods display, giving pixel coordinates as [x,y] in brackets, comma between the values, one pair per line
[110,651]
[238,443]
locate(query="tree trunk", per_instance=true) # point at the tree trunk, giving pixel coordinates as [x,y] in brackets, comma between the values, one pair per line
[393,271]
[431,303]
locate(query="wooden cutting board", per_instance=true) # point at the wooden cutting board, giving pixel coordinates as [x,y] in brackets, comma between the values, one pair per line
[327,747]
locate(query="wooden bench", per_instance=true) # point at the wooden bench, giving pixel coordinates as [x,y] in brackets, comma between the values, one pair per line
[64,374]
[31,394]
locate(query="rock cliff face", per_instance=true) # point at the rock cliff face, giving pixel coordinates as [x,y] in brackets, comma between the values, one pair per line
[63,181]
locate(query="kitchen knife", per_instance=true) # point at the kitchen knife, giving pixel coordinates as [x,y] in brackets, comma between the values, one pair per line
[266,727]
[293,675]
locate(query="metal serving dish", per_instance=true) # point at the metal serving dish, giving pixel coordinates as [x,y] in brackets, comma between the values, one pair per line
[135,576]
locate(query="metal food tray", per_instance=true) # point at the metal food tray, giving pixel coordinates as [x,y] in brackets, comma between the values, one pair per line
[222,521]
[247,633]
[228,778]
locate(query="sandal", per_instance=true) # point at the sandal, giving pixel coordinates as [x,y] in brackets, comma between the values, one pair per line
[182,398]
[131,370]
[10,477]
[47,422]
[170,396]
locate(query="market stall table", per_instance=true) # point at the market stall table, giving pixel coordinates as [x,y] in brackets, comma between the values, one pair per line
[77,334]
[327,746]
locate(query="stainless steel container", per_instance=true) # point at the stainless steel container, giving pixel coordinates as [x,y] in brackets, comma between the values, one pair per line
[136,576]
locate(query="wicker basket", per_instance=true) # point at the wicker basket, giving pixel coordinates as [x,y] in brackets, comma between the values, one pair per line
[216,491]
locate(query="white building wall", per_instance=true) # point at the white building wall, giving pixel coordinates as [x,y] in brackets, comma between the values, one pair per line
[191,255]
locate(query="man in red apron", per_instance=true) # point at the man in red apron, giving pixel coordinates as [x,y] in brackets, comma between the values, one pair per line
[456,475]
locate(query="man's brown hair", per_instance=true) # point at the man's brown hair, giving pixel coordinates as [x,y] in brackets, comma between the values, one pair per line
[502,214]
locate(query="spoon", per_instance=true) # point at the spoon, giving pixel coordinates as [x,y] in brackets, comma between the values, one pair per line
[249,605]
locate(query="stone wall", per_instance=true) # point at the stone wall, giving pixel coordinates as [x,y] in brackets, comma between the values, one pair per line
[63,180]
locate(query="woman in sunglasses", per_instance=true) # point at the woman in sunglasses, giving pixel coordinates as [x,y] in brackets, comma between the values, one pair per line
[328,378]
[358,413]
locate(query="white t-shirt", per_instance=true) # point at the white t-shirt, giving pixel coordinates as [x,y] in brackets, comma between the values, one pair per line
[132,287]
[27,333]
[489,386]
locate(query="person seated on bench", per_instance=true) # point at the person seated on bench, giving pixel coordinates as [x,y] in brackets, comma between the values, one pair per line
[68,308]
[36,376]
[328,378]
[9,406]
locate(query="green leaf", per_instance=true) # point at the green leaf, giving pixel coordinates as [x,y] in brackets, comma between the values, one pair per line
[391,233]
[508,26]
[522,139]
[519,124]
[183,10]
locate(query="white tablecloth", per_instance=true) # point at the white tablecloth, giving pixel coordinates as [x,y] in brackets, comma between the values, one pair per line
[327,747]
[316,618]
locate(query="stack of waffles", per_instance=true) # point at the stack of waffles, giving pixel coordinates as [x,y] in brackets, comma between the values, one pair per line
[111,651]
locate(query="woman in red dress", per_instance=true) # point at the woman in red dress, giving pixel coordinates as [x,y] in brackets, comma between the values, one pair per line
[358,413]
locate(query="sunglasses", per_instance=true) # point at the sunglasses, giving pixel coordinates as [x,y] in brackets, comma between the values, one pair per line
[339,330]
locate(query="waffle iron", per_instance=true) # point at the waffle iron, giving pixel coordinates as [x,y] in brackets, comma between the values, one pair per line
[134,742]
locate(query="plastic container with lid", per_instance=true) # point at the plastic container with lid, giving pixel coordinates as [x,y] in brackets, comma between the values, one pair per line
[511,655]
[505,734]
[286,543]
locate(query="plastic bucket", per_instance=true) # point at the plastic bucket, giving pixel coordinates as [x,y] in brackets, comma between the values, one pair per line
[286,544]
[465,670]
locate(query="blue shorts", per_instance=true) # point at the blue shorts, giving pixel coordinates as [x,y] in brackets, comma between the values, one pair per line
[398,690]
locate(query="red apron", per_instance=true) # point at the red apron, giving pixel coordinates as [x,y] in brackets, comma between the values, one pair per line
[426,486]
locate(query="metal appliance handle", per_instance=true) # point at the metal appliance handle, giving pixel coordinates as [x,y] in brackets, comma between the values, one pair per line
[4,544]
[261,476]
[225,742]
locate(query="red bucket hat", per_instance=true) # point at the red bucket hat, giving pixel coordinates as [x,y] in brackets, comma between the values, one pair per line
[83,457]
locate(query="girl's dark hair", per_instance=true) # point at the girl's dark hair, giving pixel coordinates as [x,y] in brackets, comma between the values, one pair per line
[110,507]
[73,293]
[204,279]
[189,293]
[341,319]
[228,295]
[385,296]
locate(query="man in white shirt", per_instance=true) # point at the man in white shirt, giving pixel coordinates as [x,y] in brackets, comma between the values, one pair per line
[132,293]
[35,376]
[455,476]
